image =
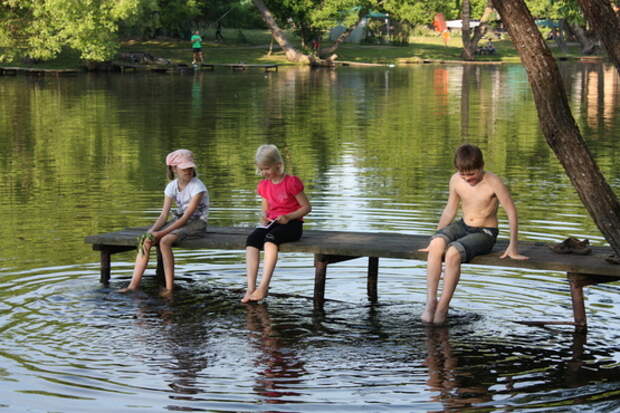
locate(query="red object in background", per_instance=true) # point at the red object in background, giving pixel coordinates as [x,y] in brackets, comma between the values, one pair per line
[439,22]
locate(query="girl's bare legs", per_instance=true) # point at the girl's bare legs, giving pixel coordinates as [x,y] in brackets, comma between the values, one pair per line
[165,246]
[436,249]
[252,258]
[452,274]
[269,264]
[142,261]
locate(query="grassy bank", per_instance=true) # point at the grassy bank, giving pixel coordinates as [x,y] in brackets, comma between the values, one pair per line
[253,47]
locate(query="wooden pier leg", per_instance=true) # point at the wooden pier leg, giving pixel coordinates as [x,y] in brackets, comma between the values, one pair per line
[106,267]
[320,274]
[373,271]
[159,272]
[577,283]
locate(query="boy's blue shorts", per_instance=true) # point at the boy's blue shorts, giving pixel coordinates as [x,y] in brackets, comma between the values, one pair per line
[469,241]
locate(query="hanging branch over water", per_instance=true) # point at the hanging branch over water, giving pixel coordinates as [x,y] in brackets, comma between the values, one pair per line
[291,53]
[557,122]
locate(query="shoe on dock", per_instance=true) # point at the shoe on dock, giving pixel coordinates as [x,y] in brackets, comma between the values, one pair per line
[572,245]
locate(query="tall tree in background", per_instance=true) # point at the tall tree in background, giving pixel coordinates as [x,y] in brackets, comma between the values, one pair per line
[606,23]
[557,122]
[472,37]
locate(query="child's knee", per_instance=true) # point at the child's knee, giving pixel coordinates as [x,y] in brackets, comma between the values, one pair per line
[167,240]
[453,255]
[437,245]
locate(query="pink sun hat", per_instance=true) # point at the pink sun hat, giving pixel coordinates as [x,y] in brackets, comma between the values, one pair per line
[181,158]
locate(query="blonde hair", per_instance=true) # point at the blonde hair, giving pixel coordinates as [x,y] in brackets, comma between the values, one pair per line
[269,155]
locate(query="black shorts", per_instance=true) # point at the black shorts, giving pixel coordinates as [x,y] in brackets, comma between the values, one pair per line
[197,49]
[277,233]
[469,241]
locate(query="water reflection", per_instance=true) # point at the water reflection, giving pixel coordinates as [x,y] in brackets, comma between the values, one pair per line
[281,370]
[374,147]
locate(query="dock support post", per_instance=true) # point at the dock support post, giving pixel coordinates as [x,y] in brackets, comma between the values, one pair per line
[577,283]
[106,267]
[320,274]
[159,272]
[373,271]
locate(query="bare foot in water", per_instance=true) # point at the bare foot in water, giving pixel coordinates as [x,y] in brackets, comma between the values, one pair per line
[126,290]
[247,297]
[429,311]
[165,293]
[258,295]
[440,317]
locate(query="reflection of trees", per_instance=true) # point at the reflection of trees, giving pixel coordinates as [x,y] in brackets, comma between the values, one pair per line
[83,149]
[281,369]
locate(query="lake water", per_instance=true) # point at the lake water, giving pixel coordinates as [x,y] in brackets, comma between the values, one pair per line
[374,146]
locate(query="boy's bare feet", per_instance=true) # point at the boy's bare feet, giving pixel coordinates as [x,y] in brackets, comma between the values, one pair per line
[247,297]
[165,293]
[429,311]
[126,290]
[259,294]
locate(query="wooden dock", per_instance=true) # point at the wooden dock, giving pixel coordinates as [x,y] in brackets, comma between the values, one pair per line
[32,71]
[330,247]
[241,66]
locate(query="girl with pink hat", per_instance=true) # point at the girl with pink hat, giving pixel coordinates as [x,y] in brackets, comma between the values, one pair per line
[189,219]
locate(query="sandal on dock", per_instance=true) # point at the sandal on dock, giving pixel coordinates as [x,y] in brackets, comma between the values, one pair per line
[613,259]
[572,245]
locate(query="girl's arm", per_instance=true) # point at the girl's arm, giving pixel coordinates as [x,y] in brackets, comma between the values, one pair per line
[304,209]
[264,207]
[191,208]
[163,216]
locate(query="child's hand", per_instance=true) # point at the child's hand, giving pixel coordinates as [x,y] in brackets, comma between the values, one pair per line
[282,219]
[425,249]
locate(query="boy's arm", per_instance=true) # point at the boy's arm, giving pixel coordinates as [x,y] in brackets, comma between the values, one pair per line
[449,211]
[504,198]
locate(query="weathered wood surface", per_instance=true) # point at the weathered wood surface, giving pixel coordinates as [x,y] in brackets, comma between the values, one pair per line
[240,66]
[37,71]
[383,245]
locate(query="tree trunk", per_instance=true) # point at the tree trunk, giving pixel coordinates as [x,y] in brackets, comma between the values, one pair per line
[470,42]
[587,44]
[278,35]
[328,51]
[606,24]
[469,51]
[557,122]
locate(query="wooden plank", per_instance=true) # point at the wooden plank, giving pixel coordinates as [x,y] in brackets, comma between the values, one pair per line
[385,245]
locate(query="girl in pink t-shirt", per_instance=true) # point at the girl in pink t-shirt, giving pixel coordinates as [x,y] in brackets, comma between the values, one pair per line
[283,206]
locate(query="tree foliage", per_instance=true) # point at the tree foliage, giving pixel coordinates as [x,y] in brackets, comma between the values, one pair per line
[41,29]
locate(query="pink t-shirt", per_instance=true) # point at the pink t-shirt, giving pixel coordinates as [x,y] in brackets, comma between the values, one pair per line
[281,196]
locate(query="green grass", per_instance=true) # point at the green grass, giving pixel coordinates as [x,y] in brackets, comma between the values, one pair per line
[251,46]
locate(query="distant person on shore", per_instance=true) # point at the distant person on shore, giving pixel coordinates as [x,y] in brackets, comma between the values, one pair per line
[189,219]
[284,204]
[478,192]
[218,32]
[196,41]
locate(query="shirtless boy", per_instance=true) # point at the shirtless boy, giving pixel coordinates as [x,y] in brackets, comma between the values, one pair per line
[479,192]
